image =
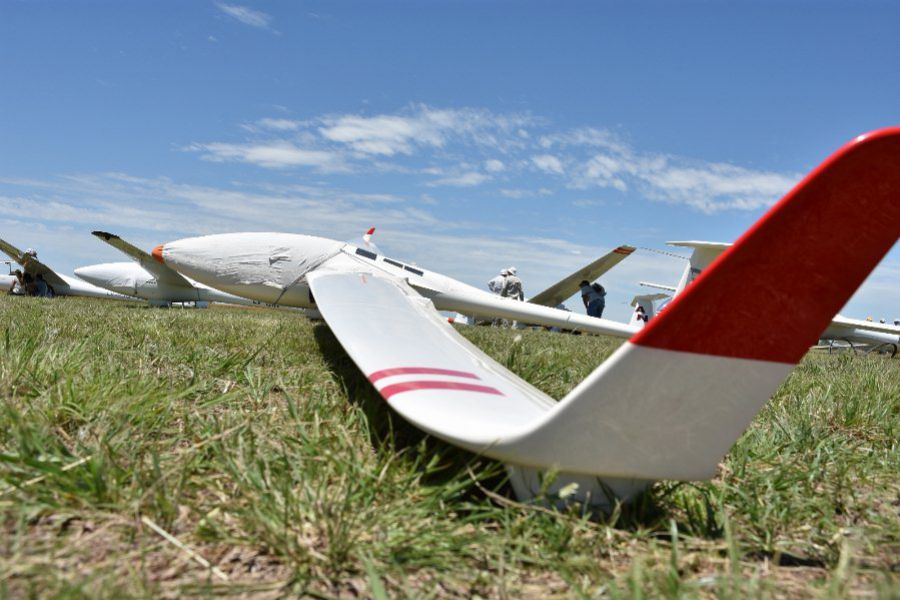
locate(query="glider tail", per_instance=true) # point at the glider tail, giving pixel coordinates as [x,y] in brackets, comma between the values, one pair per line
[673,399]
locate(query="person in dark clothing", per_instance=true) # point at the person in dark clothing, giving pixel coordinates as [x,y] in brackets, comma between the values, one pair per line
[594,298]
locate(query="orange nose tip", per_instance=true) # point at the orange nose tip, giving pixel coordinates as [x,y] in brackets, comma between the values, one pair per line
[157,253]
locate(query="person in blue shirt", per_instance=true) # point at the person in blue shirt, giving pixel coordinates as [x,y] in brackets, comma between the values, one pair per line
[594,298]
[41,289]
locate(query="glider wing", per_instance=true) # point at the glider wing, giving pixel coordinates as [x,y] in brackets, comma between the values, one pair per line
[565,288]
[419,364]
[843,322]
[672,400]
[164,274]
[33,265]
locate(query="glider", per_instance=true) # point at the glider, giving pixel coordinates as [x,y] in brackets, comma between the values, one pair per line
[568,286]
[147,279]
[62,285]
[853,331]
[668,404]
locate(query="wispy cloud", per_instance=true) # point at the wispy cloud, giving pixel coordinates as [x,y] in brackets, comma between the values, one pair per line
[422,126]
[548,164]
[706,186]
[273,155]
[247,16]
[469,147]
[472,178]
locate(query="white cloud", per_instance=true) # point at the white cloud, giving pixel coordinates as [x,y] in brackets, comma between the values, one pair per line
[466,147]
[245,15]
[470,179]
[708,187]
[585,136]
[548,164]
[280,124]
[494,166]
[271,155]
[422,126]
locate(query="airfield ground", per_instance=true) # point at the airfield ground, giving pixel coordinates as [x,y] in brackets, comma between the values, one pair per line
[250,439]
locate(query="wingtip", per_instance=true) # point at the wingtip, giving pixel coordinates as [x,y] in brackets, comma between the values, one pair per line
[158,254]
[103,234]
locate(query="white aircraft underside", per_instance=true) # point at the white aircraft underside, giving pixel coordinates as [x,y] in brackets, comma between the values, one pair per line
[668,404]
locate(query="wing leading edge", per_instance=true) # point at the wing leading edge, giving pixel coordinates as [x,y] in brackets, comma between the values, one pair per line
[33,265]
[567,287]
[164,274]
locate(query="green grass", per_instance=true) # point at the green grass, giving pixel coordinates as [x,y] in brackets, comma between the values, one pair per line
[250,437]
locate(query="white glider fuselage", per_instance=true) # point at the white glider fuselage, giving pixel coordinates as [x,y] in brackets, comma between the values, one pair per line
[130,279]
[272,268]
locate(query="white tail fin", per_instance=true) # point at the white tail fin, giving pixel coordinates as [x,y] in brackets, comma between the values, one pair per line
[645,308]
[704,253]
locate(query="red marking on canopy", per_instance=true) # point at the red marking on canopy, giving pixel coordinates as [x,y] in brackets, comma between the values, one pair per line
[419,371]
[158,254]
[412,386]
[771,294]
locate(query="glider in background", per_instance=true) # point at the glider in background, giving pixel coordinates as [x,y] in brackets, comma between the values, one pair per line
[852,331]
[668,404]
[565,288]
[147,279]
[61,285]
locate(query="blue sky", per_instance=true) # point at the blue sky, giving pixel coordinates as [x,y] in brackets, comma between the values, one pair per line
[474,135]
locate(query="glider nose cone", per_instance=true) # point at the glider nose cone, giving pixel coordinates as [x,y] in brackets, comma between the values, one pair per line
[158,253]
[267,267]
[88,274]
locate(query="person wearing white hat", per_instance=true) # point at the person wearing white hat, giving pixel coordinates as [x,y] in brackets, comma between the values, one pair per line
[496,284]
[512,286]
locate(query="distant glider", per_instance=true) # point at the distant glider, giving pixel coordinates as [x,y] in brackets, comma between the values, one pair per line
[852,331]
[149,280]
[61,285]
[668,404]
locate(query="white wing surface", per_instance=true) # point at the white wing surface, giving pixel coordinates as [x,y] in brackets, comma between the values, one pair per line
[566,288]
[163,274]
[424,369]
[844,322]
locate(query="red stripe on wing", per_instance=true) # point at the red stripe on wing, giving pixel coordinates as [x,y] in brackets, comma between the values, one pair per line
[411,386]
[419,371]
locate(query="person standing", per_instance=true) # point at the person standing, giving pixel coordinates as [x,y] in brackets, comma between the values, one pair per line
[41,289]
[594,298]
[496,284]
[512,286]
[18,286]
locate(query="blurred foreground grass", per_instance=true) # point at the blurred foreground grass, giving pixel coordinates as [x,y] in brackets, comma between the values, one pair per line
[250,438]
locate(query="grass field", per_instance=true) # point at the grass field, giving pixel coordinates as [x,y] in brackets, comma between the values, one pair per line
[136,444]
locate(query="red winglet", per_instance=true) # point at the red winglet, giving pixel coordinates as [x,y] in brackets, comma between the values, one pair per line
[777,288]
